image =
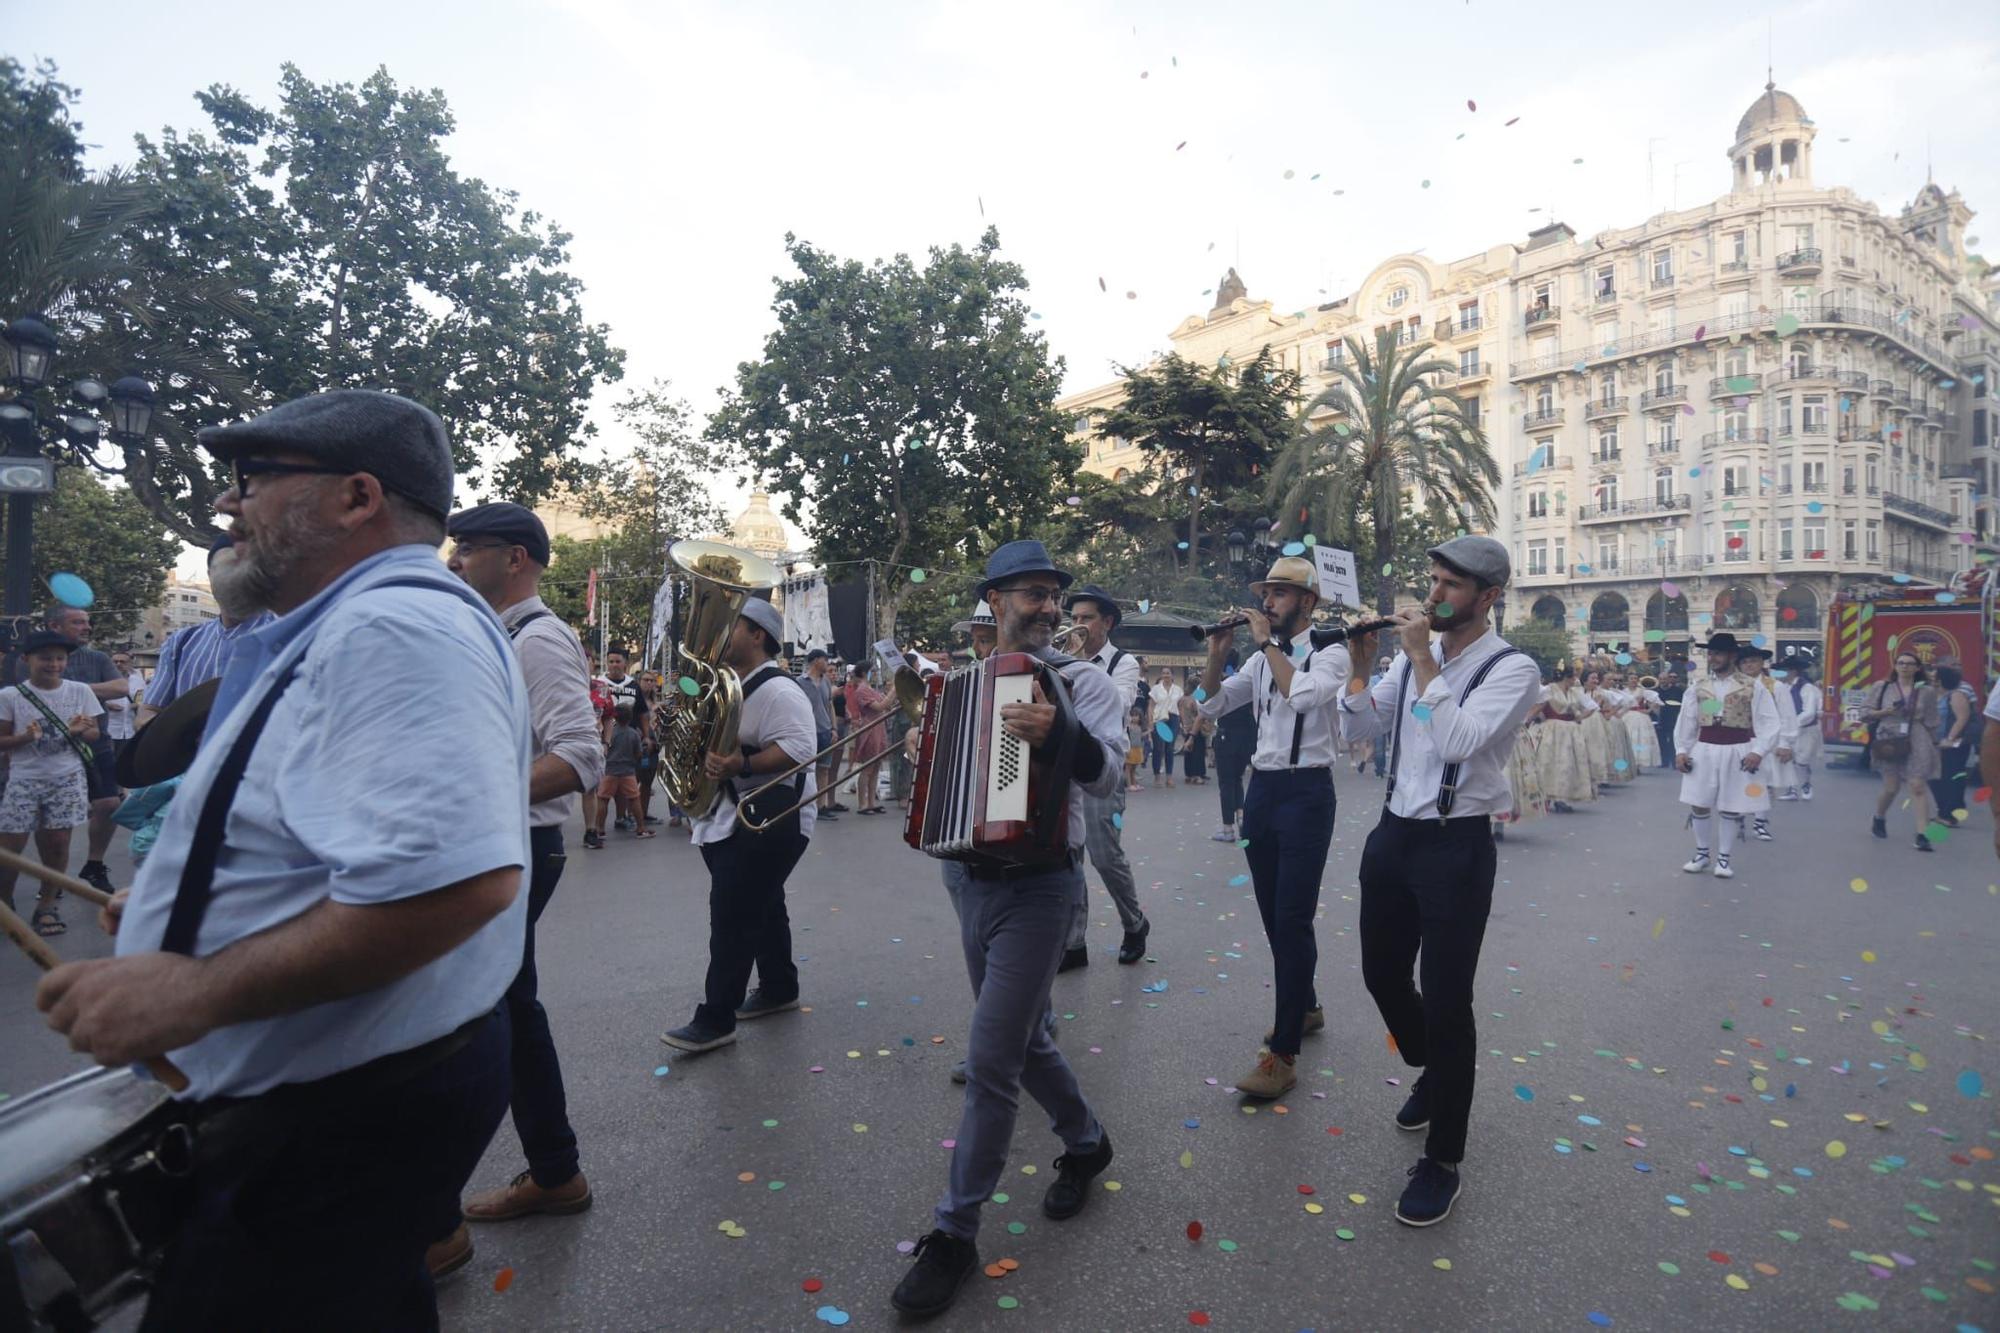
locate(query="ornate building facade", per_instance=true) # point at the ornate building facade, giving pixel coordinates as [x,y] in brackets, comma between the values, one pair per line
[1715,419]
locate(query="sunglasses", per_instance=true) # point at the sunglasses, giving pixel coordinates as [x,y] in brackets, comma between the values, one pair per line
[245,468]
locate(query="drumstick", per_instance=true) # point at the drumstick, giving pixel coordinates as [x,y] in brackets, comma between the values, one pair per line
[48,959]
[56,878]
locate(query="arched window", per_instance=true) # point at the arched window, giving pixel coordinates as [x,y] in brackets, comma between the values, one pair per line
[1609,614]
[1667,614]
[1798,359]
[1550,608]
[1121,474]
[1798,608]
[1736,608]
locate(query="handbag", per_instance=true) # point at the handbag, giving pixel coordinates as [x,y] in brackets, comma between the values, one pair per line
[96,786]
[1889,741]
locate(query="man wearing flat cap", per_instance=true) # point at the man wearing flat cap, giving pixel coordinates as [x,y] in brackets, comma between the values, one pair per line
[1450,709]
[1096,613]
[1289,809]
[1013,923]
[1727,728]
[318,938]
[748,926]
[501,551]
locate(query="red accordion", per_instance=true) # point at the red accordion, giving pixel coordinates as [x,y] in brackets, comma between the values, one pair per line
[981,794]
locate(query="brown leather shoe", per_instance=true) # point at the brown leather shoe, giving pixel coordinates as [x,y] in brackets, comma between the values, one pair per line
[1273,1077]
[522,1197]
[450,1254]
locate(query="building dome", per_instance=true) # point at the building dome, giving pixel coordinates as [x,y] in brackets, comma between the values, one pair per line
[757,528]
[1774,106]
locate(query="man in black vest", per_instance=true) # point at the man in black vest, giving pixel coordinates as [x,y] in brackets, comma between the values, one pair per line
[1450,712]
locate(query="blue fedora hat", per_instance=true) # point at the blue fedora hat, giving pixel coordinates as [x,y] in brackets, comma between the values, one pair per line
[1022,557]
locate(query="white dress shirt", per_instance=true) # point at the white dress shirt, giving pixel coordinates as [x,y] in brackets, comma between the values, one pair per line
[1125,675]
[1317,681]
[777,714]
[563,719]
[1479,737]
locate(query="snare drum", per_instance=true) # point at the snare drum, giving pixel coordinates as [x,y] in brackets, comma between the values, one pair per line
[90,1170]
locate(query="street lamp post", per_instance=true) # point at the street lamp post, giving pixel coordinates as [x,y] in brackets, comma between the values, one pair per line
[26,472]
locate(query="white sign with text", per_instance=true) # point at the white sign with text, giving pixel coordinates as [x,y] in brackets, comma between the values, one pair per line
[1337,579]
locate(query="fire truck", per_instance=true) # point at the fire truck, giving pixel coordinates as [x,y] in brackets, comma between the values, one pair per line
[1869,625]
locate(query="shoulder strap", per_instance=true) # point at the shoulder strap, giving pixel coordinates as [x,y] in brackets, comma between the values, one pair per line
[83,751]
[1396,731]
[1299,719]
[1448,785]
[524,622]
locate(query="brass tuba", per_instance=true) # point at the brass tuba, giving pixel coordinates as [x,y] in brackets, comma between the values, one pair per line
[703,699]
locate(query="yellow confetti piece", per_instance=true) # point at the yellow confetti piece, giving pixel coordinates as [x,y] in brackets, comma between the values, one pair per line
[1858,884]
[1758,1084]
[1442,1265]
[1919,1108]
[1357,1198]
[1678,1211]
[1187,1159]
[1836,1149]
[1315,1209]
[1028,1170]
[1782,1124]
[1113,1186]
[1880,1027]
[1738,1281]
[725,1225]
[1857,1118]
[1917,1060]
[1659,927]
[860,1128]
[1867,955]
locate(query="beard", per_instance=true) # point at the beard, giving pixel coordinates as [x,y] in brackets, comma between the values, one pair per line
[1034,631]
[251,576]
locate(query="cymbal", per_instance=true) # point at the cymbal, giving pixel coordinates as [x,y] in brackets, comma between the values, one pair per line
[164,747]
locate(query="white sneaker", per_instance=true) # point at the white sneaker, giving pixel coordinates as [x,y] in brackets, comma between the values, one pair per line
[1722,870]
[1226,833]
[1791,794]
[1762,830]
[1699,864]
[1805,792]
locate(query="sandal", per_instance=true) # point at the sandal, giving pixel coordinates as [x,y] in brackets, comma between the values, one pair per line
[645,833]
[48,921]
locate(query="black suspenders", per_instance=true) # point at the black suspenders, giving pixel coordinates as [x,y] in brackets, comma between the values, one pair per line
[1298,718]
[1448,786]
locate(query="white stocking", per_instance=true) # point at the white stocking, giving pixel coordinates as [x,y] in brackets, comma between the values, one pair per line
[1726,839]
[1701,824]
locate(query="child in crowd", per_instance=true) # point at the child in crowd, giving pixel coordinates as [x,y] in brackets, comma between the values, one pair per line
[621,777]
[1135,739]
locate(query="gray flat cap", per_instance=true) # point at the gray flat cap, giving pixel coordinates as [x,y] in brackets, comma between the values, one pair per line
[1481,557]
[400,442]
[765,617]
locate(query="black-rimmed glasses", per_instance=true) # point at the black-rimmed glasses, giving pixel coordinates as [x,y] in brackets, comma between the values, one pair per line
[246,468]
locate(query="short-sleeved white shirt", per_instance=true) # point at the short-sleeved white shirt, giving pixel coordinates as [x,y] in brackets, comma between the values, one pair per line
[52,756]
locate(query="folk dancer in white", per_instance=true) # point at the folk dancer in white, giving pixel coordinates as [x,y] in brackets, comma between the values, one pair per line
[1727,727]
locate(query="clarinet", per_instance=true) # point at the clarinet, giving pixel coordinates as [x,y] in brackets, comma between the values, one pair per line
[1320,637]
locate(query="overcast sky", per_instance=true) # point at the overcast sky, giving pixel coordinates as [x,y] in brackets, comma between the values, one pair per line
[1148,146]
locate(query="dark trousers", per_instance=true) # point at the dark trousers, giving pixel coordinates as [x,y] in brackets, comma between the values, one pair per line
[313,1212]
[541,1112]
[1288,821]
[1429,887]
[1196,763]
[747,924]
[1948,788]
[1230,761]
[1163,749]
[1665,731]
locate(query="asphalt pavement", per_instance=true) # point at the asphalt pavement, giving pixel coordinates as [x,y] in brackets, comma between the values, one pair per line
[1766,1102]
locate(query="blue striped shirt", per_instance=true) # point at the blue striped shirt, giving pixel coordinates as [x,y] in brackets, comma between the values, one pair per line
[195,655]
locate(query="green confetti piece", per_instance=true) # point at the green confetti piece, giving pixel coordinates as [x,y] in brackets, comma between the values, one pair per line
[1002,1198]
[1226,1246]
[775,1186]
[1670,1269]
[1344,1233]
[917,576]
[1008,1303]
[688,687]
[1017,1228]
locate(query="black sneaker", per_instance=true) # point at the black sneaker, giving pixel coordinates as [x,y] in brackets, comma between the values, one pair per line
[1924,844]
[593,840]
[697,1036]
[1067,1195]
[1427,1199]
[958,1074]
[1879,827]
[931,1285]
[760,1005]
[840,809]
[1416,1112]
[1134,946]
[96,876]
[1075,958]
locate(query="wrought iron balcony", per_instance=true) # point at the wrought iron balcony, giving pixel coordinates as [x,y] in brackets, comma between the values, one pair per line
[1923,513]
[1606,296]
[1673,395]
[1651,507]
[1733,267]
[1663,448]
[1736,386]
[1746,435]
[1553,465]
[1795,373]
[1800,263]
[1605,407]
[1882,389]
[1662,281]
[1541,315]
[1547,416]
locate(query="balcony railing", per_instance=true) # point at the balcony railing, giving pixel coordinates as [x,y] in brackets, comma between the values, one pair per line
[1794,373]
[1732,266]
[1663,448]
[1547,416]
[1747,435]
[1606,457]
[1541,314]
[1604,407]
[1606,296]
[1671,396]
[1553,465]
[1662,281]
[1923,513]
[1882,389]
[1628,509]
[1853,379]
[1735,386]
[1801,262]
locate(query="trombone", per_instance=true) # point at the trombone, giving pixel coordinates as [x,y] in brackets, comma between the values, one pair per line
[909,701]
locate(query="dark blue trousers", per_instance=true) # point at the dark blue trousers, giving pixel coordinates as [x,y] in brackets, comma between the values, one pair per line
[1288,820]
[541,1111]
[748,926]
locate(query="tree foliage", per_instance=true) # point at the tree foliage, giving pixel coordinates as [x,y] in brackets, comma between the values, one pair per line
[325,243]
[1204,429]
[106,537]
[1386,429]
[1546,643]
[907,414]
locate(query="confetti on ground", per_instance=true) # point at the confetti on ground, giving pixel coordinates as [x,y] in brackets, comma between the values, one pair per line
[811,1285]
[503,1279]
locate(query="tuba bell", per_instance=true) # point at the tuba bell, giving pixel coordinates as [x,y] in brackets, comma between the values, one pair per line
[703,699]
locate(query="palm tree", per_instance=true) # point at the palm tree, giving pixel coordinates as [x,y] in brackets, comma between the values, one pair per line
[1385,428]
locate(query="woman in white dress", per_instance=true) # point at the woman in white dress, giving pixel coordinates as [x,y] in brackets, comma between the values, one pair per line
[1617,706]
[1640,724]
[1597,731]
[1562,758]
[1811,742]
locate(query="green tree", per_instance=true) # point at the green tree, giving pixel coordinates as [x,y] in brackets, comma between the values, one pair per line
[366,261]
[1385,429]
[1204,429]
[105,536]
[1545,642]
[66,253]
[907,414]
